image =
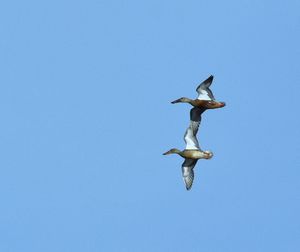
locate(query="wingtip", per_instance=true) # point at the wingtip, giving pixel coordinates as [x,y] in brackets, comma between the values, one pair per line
[210,78]
[188,188]
[206,82]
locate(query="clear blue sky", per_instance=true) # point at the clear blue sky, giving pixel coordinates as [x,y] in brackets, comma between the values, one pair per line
[85,117]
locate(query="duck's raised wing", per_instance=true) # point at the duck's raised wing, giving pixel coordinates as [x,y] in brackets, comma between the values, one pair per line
[188,172]
[191,132]
[204,93]
[190,137]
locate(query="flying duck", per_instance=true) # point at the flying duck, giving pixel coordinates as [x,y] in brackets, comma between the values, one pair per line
[192,152]
[206,99]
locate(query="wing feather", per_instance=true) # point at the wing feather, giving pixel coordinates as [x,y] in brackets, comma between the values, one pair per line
[190,138]
[203,90]
[188,172]
[191,132]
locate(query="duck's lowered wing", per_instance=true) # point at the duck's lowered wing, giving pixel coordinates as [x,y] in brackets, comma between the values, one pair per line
[188,172]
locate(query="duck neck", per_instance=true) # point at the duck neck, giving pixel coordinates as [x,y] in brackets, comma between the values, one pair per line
[175,151]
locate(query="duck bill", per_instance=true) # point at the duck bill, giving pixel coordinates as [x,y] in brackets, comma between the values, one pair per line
[176,101]
[167,152]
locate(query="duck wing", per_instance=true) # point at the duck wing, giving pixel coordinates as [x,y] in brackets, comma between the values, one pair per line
[191,132]
[190,137]
[188,172]
[204,93]
[195,114]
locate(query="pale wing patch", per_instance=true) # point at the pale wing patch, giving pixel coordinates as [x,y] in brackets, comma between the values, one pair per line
[190,139]
[203,95]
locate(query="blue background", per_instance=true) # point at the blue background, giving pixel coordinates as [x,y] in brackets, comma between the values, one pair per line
[86,115]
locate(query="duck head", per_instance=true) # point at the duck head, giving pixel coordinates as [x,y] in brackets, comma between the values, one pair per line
[172,151]
[182,99]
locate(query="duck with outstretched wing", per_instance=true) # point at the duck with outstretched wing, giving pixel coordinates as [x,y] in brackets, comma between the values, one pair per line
[205,99]
[192,152]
